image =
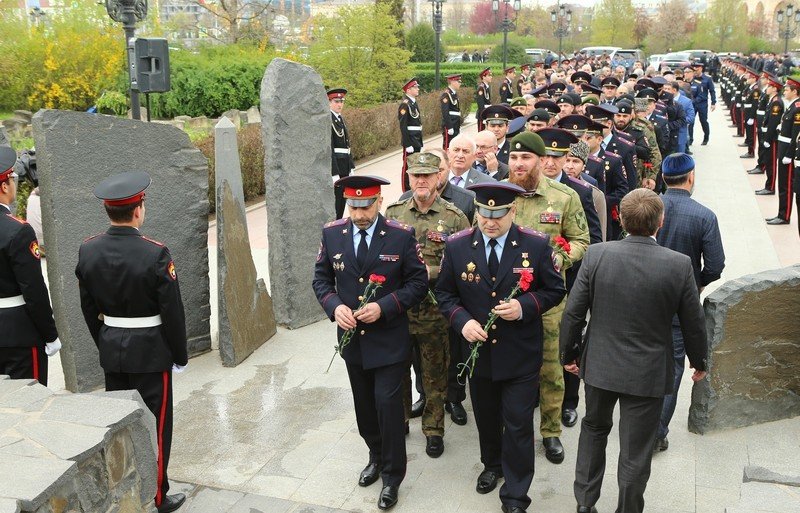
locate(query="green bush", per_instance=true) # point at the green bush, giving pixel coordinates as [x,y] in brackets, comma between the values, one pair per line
[514,52]
[112,102]
[421,42]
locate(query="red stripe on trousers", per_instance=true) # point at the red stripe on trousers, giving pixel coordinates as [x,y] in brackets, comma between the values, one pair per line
[161,417]
[446,140]
[35,353]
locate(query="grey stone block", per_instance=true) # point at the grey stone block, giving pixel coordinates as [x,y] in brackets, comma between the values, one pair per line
[76,151]
[233,116]
[4,137]
[297,159]
[9,506]
[26,397]
[27,479]
[753,353]
[765,475]
[253,115]
[63,440]
[245,315]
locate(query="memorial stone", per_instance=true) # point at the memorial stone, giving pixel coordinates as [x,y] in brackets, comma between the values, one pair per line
[246,319]
[297,158]
[75,151]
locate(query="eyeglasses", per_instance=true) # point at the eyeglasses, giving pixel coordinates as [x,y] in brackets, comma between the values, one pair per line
[485,147]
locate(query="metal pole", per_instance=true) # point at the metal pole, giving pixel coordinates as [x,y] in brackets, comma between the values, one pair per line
[786,38]
[505,42]
[129,26]
[437,27]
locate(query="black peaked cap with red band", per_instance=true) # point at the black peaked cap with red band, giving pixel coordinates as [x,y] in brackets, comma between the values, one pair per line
[8,157]
[123,188]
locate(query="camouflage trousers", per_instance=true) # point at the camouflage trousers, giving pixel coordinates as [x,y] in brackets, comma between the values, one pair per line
[551,377]
[434,350]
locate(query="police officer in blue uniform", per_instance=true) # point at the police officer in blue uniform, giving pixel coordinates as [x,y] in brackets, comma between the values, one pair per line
[702,88]
[29,332]
[480,267]
[132,306]
[353,249]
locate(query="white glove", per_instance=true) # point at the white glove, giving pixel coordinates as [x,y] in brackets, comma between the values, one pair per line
[178,368]
[410,150]
[786,160]
[450,131]
[51,348]
[766,144]
[750,121]
[335,177]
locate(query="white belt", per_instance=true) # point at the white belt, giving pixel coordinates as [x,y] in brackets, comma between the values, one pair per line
[414,128]
[763,129]
[346,151]
[784,139]
[132,322]
[748,105]
[738,104]
[760,112]
[12,302]
[455,113]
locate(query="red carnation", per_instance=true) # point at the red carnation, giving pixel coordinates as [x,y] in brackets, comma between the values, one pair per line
[525,280]
[377,278]
[562,243]
[615,213]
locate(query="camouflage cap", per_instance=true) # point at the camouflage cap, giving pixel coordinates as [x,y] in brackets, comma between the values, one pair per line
[423,163]
[640,104]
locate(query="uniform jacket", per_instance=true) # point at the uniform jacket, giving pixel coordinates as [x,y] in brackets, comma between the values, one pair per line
[514,348]
[770,125]
[338,280]
[661,128]
[451,115]
[410,121]
[626,150]
[500,175]
[606,167]
[483,98]
[502,151]
[124,274]
[506,91]
[790,129]
[628,344]
[463,199]
[584,192]
[341,158]
[32,324]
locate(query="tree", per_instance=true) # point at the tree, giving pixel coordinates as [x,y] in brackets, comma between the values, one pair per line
[234,16]
[359,49]
[421,42]
[723,27]
[397,10]
[641,26]
[483,20]
[671,33]
[514,53]
[612,23]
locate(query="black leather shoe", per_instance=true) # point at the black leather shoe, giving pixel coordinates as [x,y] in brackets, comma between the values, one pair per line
[434,447]
[553,450]
[743,145]
[661,444]
[569,417]
[512,509]
[586,509]
[388,497]
[755,171]
[704,143]
[417,407]
[747,156]
[765,192]
[457,413]
[171,503]
[369,475]
[777,220]
[487,481]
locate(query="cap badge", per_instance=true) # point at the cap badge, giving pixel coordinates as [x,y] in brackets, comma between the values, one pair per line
[496,115]
[518,146]
[574,127]
[359,192]
[554,144]
[490,202]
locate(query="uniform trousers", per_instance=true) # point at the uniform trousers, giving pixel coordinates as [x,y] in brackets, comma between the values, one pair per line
[156,391]
[446,138]
[638,421]
[338,194]
[769,163]
[701,111]
[785,189]
[433,349]
[378,401]
[456,387]
[404,183]
[671,400]
[504,416]
[551,377]
[24,363]
[750,136]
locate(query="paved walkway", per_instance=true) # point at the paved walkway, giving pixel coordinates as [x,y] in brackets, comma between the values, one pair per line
[276,434]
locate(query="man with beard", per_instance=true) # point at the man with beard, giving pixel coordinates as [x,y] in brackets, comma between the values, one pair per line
[660,123]
[646,158]
[483,95]
[555,209]
[486,156]
[379,351]
[538,119]
[433,220]
[615,143]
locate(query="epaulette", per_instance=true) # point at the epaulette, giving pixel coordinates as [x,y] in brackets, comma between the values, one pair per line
[405,100]
[397,224]
[337,222]
[17,219]
[153,241]
[87,239]
[797,104]
[462,233]
[612,154]
[629,143]
[659,116]
[595,158]
[579,182]
[535,233]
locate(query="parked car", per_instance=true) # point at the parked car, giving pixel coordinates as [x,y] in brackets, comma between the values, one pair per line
[628,57]
[596,51]
[655,60]
[676,60]
[537,55]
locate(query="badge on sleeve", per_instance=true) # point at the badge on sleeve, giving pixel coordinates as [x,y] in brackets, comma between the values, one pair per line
[171,270]
[555,263]
[35,251]
[419,254]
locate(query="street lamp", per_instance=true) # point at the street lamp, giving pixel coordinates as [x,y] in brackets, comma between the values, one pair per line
[789,30]
[508,24]
[437,27]
[559,16]
[128,12]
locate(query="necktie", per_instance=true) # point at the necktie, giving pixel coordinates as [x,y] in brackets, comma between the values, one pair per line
[361,254]
[456,180]
[494,263]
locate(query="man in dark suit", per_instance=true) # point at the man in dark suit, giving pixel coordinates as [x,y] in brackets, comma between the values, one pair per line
[352,250]
[132,305]
[461,156]
[486,156]
[341,160]
[29,331]
[627,354]
[480,267]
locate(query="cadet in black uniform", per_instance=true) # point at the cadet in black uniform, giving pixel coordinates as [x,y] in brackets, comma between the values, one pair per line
[451,113]
[787,146]
[132,305]
[352,249]
[29,331]
[341,159]
[480,267]
[483,95]
[750,99]
[768,150]
[410,125]
[507,86]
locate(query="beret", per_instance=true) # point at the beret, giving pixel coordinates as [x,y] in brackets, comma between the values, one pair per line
[677,164]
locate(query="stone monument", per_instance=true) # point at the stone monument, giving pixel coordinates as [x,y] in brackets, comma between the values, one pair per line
[75,151]
[754,353]
[245,315]
[297,146]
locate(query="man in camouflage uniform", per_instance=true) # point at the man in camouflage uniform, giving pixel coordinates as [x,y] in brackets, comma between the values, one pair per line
[640,122]
[555,209]
[646,149]
[434,220]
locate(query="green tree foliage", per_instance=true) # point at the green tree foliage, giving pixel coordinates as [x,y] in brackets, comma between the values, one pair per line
[515,54]
[421,42]
[359,49]
[397,10]
[612,22]
[723,27]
